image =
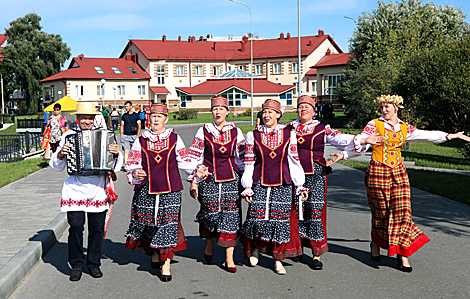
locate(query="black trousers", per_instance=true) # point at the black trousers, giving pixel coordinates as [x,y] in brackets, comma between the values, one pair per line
[76,220]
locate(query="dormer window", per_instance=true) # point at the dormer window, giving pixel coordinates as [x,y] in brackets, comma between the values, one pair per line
[133,70]
[116,70]
[99,70]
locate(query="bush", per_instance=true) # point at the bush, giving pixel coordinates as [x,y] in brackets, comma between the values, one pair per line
[247,112]
[187,114]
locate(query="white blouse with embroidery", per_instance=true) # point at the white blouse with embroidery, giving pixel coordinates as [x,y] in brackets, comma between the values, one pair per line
[196,150]
[412,135]
[82,193]
[295,168]
[344,142]
[134,161]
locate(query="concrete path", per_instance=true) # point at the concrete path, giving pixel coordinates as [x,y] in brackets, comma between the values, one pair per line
[440,268]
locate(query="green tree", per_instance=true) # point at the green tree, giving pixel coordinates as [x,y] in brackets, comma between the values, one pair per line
[33,55]
[436,85]
[384,40]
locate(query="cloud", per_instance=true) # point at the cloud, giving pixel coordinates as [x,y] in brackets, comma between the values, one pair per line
[109,22]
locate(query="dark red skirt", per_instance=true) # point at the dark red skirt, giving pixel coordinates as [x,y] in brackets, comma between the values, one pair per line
[223,239]
[278,251]
[165,253]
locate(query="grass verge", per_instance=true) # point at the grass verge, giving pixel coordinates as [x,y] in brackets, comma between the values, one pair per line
[16,170]
[449,185]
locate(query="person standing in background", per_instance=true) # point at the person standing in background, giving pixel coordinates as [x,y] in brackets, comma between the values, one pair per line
[130,129]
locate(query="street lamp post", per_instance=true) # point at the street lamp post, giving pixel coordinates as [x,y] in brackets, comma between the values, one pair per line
[3,101]
[300,59]
[251,49]
[114,88]
[103,81]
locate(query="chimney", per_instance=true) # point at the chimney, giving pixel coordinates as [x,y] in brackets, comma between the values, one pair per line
[328,52]
[243,43]
[194,39]
[320,33]
[213,46]
[81,57]
[310,43]
[128,56]
[189,39]
[281,36]
[245,39]
[288,35]
[201,38]
[179,38]
[164,38]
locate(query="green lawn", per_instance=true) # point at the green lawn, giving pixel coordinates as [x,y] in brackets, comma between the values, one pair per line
[17,170]
[450,185]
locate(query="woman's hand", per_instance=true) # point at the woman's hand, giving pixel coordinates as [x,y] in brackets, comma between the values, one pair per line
[114,148]
[336,158]
[304,195]
[202,173]
[248,199]
[139,174]
[374,139]
[63,151]
[193,190]
[248,194]
[460,135]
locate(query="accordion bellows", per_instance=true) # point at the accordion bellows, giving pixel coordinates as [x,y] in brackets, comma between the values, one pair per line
[89,154]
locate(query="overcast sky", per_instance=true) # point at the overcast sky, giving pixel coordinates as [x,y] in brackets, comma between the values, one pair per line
[101,28]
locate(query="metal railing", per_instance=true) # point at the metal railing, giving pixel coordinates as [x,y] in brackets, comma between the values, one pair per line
[28,123]
[15,147]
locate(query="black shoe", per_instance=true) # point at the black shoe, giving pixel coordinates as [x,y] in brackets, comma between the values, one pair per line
[317,265]
[297,259]
[96,273]
[165,278]
[374,258]
[406,269]
[76,274]
[156,265]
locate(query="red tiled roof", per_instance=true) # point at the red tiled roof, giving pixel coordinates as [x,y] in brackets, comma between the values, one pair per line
[311,72]
[159,89]
[217,86]
[333,59]
[83,68]
[3,38]
[227,50]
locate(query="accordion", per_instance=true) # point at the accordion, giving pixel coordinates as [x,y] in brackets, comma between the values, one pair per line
[89,154]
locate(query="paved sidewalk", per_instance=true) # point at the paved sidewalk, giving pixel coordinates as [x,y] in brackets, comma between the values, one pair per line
[30,223]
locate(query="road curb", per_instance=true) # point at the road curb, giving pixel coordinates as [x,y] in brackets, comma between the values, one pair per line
[13,272]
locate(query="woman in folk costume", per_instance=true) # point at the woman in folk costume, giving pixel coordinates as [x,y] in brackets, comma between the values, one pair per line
[152,167]
[388,187]
[218,147]
[271,167]
[311,139]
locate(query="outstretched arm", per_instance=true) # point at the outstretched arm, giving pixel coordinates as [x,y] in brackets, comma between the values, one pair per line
[460,135]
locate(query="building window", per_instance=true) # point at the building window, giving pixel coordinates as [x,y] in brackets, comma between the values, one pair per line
[121,90]
[235,97]
[99,70]
[79,90]
[330,82]
[184,98]
[242,67]
[295,89]
[180,70]
[229,68]
[216,70]
[141,90]
[295,67]
[100,90]
[52,91]
[116,70]
[198,71]
[276,68]
[133,70]
[160,74]
[259,69]
[287,96]
[314,87]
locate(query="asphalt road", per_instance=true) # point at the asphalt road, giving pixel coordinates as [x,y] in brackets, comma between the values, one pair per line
[440,269]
